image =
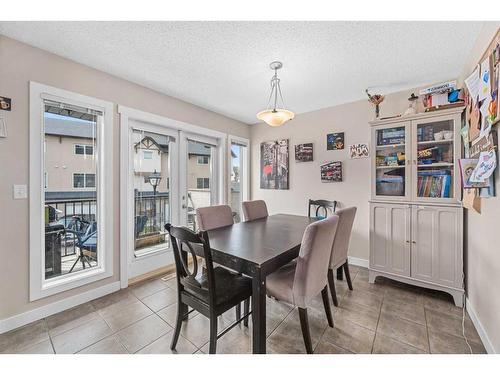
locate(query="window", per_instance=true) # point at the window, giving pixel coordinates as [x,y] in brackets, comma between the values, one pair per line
[69,241]
[83,180]
[203,159]
[148,155]
[203,183]
[84,150]
[238,173]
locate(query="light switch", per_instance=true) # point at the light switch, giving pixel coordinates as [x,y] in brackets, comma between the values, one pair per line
[20,191]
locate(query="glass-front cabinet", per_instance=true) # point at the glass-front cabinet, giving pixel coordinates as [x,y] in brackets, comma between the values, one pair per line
[390,163]
[416,158]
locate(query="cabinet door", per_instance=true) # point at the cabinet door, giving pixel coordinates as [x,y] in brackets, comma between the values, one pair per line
[390,162]
[435,154]
[436,251]
[390,238]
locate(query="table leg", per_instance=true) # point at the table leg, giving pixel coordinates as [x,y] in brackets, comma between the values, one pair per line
[339,274]
[259,313]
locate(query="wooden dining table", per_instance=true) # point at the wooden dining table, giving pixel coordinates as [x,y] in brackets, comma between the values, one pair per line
[256,249]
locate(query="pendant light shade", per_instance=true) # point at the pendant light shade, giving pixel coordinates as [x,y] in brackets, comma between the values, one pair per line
[275,116]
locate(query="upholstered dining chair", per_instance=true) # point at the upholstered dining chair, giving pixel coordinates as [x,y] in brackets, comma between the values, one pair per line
[340,247]
[299,282]
[253,210]
[211,293]
[214,217]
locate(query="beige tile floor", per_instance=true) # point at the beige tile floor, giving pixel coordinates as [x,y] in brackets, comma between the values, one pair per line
[385,317]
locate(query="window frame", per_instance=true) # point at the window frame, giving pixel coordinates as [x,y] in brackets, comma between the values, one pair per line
[39,286]
[203,158]
[85,176]
[203,183]
[84,147]
[245,175]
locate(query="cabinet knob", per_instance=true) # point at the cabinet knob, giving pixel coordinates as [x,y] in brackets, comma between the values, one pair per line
[413,241]
[407,241]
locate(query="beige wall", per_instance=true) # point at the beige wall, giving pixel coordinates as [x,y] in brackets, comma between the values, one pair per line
[482,238]
[20,64]
[350,118]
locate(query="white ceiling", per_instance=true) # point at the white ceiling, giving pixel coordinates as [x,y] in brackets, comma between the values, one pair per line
[223,66]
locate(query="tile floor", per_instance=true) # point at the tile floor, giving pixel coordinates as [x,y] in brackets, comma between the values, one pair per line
[385,317]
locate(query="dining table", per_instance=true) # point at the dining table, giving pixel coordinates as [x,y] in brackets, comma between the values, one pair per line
[256,249]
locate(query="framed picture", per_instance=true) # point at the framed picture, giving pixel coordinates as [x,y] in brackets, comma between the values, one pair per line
[304,152]
[335,141]
[274,158]
[5,103]
[359,150]
[331,172]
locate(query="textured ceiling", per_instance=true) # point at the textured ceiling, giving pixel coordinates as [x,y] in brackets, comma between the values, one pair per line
[223,66]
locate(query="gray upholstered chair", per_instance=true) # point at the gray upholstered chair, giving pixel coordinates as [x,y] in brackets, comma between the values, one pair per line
[253,210]
[299,282]
[213,217]
[340,247]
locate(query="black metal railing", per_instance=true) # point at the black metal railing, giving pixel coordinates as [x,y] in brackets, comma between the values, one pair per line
[75,214]
[151,213]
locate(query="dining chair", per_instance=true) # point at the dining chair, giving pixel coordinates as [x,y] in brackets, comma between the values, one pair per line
[299,282]
[211,293]
[214,217]
[321,204]
[253,210]
[340,247]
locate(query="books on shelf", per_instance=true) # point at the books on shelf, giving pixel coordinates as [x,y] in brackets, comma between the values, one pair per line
[391,136]
[434,184]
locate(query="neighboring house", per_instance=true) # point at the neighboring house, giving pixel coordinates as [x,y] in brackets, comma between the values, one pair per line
[70,167]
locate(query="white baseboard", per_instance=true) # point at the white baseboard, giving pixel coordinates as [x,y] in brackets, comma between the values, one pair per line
[358,262]
[31,316]
[479,328]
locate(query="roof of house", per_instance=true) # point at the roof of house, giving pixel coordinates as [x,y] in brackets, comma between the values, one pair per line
[85,129]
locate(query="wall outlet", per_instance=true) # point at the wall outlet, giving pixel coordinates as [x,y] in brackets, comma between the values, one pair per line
[20,191]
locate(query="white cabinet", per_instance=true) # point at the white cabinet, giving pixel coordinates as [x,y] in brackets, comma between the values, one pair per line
[390,238]
[416,218]
[436,248]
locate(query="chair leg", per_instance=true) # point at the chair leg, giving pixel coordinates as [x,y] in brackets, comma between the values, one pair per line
[347,275]
[178,324]
[331,284]
[246,310]
[238,311]
[326,304]
[304,325]
[213,335]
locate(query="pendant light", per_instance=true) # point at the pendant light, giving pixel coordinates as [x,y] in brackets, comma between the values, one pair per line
[275,116]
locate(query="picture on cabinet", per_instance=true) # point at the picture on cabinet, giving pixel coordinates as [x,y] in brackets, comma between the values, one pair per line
[274,164]
[359,150]
[304,152]
[335,141]
[331,172]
